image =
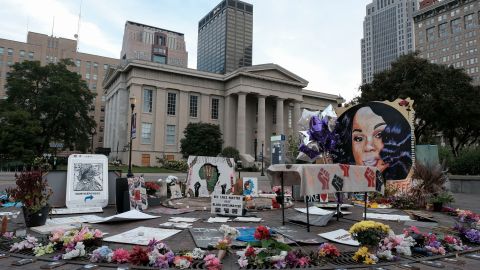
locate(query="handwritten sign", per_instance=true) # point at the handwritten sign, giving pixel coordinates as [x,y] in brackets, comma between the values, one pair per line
[229,205]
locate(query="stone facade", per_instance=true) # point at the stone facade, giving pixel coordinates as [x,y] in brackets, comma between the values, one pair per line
[250,103]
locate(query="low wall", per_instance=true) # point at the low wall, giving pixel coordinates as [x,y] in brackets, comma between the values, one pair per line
[465,183]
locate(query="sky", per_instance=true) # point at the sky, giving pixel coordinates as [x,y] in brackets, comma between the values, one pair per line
[318,40]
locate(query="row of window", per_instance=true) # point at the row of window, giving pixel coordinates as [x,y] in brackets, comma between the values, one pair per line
[89,64]
[10,52]
[455,27]
[170,138]
[172,104]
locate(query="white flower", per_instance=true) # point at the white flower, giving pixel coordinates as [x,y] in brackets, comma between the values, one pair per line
[228,231]
[79,251]
[198,253]
[385,254]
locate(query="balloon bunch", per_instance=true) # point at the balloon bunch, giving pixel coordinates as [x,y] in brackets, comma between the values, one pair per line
[318,138]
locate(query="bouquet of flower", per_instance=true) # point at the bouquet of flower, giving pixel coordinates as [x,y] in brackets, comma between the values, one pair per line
[468,234]
[152,188]
[363,255]
[328,250]
[229,232]
[468,218]
[159,255]
[70,238]
[29,242]
[212,262]
[297,258]
[101,255]
[415,233]
[369,233]
[453,243]
[393,245]
[266,252]
[433,245]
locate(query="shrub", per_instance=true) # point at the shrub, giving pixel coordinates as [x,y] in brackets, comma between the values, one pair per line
[230,152]
[467,162]
[176,165]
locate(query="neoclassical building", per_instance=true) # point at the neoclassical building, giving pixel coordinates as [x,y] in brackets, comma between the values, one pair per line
[250,105]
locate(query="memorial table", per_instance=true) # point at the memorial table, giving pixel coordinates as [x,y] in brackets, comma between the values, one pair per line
[326,178]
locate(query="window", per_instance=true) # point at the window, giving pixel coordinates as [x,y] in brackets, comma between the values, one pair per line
[170,135]
[274,114]
[10,51]
[87,66]
[87,76]
[430,33]
[456,26]
[147,100]
[146,133]
[469,21]
[105,67]
[215,104]
[1,50]
[159,59]
[30,55]
[289,117]
[22,53]
[95,77]
[442,30]
[171,103]
[193,106]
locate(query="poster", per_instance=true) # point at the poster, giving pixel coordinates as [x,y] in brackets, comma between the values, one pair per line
[230,205]
[141,235]
[378,134]
[250,186]
[87,181]
[340,236]
[208,175]
[138,193]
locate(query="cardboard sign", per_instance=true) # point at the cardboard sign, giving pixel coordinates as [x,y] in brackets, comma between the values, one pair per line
[229,205]
[87,181]
[138,193]
[208,175]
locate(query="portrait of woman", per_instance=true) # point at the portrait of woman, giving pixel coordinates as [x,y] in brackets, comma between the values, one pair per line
[375,134]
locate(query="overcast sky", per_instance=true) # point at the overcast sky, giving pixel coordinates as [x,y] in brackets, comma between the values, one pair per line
[319,40]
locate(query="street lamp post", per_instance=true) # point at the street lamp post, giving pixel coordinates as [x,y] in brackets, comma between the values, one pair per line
[94,131]
[132,121]
[262,174]
[239,167]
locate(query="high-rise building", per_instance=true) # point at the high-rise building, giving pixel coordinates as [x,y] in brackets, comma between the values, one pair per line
[225,37]
[448,32]
[387,34]
[49,49]
[149,43]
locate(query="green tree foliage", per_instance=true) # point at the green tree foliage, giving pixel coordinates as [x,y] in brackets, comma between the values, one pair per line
[44,104]
[201,139]
[231,152]
[445,100]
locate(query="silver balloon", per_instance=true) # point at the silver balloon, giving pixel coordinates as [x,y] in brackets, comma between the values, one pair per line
[304,122]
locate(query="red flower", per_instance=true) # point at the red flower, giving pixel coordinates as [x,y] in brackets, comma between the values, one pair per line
[250,251]
[139,256]
[262,233]
[152,186]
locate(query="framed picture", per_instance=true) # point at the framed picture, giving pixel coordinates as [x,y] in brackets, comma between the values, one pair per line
[87,181]
[250,186]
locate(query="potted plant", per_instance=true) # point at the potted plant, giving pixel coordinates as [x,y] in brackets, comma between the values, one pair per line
[152,189]
[33,191]
[440,199]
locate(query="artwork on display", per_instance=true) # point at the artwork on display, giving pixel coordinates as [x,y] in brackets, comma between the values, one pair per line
[208,175]
[175,191]
[250,186]
[230,205]
[138,193]
[141,235]
[378,134]
[87,181]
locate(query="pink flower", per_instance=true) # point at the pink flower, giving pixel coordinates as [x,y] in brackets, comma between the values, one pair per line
[56,235]
[97,233]
[243,262]
[303,261]
[209,257]
[441,250]
[120,255]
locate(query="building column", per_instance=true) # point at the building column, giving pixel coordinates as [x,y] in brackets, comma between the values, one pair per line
[241,128]
[279,124]
[229,136]
[261,124]
[296,116]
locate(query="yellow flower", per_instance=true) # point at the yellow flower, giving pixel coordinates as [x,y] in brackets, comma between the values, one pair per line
[368,260]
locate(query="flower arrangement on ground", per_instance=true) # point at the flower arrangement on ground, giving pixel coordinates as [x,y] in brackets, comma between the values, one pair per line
[327,250]
[102,254]
[224,244]
[394,245]
[68,239]
[453,243]
[29,242]
[369,233]
[266,252]
[212,262]
[364,256]
[426,243]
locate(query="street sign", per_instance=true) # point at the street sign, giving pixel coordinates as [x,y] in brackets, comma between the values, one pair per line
[56,145]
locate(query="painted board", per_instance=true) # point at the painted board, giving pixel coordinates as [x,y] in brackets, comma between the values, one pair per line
[141,235]
[138,193]
[294,234]
[208,175]
[229,205]
[207,238]
[250,186]
[340,236]
[87,181]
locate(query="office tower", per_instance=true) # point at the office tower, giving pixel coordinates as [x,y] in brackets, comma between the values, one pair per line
[149,43]
[225,37]
[49,49]
[447,32]
[387,34]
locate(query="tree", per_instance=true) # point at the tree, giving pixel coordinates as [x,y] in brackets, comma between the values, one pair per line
[231,152]
[44,104]
[201,139]
[445,100]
